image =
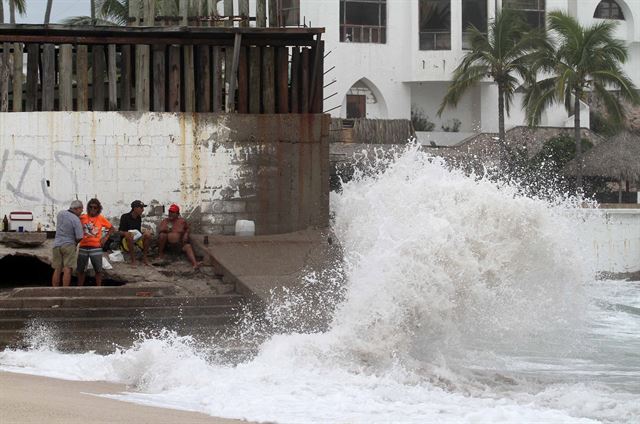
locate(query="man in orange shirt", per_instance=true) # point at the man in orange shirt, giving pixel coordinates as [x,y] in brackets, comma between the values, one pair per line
[96,231]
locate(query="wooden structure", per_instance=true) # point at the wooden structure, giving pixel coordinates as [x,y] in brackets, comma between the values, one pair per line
[163,69]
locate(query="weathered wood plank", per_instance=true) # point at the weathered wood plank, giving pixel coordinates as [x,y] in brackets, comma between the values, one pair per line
[98,66]
[217,59]
[203,71]
[243,82]
[112,76]
[243,10]
[143,83]
[189,80]
[268,80]
[261,13]
[125,78]
[273,13]
[228,61]
[316,77]
[295,80]
[82,76]
[255,92]
[48,76]
[228,12]
[282,70]
[159,77]
[184,12]
[33,65]
[18,49]
[66,77]
[5,72]
[149,12]
[304,98]
[231,98]
[174,79]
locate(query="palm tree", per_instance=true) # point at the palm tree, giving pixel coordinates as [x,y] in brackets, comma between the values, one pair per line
[47,13]
[503,54]
[575,61]
[14,5]
[116,12]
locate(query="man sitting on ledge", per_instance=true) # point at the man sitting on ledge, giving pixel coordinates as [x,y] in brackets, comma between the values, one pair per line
[174,231]
[130,225]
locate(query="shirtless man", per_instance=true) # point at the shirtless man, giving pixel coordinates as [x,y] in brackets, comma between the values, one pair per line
[174,230]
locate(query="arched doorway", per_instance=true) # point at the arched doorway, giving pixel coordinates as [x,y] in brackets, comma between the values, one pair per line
[364,100]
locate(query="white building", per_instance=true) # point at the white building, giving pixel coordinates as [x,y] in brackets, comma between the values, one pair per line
[390,55]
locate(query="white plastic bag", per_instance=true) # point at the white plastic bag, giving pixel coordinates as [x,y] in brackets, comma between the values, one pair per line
[106,264]
[136,235]
[116,256]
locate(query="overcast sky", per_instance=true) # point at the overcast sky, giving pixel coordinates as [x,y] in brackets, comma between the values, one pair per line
[61,9]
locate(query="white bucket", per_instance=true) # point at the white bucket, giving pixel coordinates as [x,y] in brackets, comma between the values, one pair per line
[245,228]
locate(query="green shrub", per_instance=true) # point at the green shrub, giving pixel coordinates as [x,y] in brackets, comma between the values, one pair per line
[421,121]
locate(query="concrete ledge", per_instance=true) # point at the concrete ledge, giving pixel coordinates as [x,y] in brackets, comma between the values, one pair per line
[257,265]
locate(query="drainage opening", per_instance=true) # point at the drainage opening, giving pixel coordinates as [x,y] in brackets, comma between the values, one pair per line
[30,271]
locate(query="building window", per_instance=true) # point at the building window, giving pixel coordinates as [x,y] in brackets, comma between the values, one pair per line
[435,24]
[533,11]
[363,21]
[608,9]
[288,12]
[474,13]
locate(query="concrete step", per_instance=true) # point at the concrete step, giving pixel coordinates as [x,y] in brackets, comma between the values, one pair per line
[113,312]
[125,290]
[108,323]
[112,301]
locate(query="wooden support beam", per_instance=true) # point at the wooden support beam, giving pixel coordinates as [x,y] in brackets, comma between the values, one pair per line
[282,72]
[268,80]
[217,59]
[143,93]
[273,13]
[125,78]
[33,65]
[99,67]
[228,12]
[295,80]
[66,77]
[304,97]
[243,81]
[255,90]
[203,71]
[184,12]
[243,10]
[318,56]
[231,96]
[149,13]
[112,76]
[174,79]
[5,72]
[159,77]
[82,76]
[261,13]
[48,76]
[189,80]
[18,50]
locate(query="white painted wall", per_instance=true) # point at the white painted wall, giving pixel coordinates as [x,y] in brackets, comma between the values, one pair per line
[614,240]
[49,158]
[394,68]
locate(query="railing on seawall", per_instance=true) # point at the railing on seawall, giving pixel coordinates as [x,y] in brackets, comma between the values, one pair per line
[162,69]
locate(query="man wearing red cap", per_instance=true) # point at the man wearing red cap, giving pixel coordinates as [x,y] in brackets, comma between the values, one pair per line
[174,230]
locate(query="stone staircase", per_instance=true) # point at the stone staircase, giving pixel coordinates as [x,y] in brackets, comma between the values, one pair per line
[103,318]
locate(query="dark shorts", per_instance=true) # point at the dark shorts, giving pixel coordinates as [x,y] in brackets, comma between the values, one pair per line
[89,253]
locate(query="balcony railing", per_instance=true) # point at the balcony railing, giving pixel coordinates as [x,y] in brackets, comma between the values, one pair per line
[363,33]
[189,69]
[435,40]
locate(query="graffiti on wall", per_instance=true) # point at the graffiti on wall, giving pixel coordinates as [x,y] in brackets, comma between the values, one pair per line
[32,167]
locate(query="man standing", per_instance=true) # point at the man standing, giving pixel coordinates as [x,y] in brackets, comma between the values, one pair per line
[133,221]
[174,231]
[68,234]
[97,230]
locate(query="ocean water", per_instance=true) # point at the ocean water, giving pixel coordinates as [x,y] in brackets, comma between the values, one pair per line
[462,301]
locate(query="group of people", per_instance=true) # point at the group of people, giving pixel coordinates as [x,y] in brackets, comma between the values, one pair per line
[81,238]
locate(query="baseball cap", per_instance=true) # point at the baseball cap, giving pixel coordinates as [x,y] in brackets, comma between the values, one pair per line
[174,208]
[137,204]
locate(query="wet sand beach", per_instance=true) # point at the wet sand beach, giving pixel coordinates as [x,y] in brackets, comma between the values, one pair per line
[33,399]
